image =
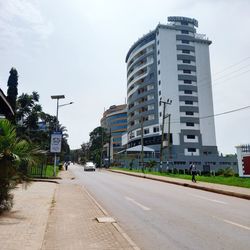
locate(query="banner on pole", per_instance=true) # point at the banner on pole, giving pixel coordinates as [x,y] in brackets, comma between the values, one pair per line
[56,142]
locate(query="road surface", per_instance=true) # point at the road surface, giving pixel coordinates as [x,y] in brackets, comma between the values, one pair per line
[159,215]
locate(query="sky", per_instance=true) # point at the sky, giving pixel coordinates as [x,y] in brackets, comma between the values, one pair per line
[78,48]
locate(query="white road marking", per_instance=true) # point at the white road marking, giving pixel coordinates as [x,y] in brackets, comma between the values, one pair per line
[138,204]
[236,224]
[204,198]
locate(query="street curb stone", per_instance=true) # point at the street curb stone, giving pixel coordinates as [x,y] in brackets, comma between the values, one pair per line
[214,190]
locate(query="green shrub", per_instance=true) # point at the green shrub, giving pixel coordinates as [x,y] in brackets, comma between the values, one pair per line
[227,172]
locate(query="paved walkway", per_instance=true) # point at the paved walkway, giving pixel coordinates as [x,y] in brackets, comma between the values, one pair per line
[73,226]
[211,187]
[24,226]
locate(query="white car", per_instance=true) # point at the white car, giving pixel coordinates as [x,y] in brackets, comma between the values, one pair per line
[89,166]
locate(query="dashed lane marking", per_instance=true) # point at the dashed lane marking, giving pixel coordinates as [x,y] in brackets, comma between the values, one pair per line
[212,200]
[237,224]
[137,203]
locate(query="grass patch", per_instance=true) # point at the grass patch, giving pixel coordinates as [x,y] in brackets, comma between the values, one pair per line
[230,181]
[45,172]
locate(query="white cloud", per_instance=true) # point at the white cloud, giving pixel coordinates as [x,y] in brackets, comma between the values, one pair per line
[21,20]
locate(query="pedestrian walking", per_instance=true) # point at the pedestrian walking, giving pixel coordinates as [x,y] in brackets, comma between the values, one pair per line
[66,165]
[193,171]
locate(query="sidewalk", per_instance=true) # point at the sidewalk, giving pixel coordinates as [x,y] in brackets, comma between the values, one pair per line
[239,192]
[73,226]
[24,226]
[52,216]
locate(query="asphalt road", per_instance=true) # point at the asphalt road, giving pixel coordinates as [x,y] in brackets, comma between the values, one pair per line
[158,215]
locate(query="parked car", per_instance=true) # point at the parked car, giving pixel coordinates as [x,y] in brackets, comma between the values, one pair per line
[89,166]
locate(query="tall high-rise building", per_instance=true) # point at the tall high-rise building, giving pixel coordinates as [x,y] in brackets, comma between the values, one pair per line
[171,64]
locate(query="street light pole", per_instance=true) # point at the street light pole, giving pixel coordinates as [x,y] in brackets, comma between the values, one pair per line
[169,102]
[57,97]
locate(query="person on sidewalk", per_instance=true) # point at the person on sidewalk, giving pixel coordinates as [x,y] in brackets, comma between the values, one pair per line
[193,171]
[66,165]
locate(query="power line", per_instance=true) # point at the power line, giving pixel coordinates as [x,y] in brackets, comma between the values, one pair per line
[219,114]
[226,112]
[230,73]
[225,69]
[233,65]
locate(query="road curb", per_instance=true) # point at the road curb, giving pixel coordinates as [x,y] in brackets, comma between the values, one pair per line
[115,224]
[46,180]
[213,190]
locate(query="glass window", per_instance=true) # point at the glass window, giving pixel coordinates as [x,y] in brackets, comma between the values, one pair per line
[187,71]
[186,61]
[188,92]
[160,82]
[146,131]
[185,41]
[187,81]
[185,51]
[189,113]
[184,32]
[156,129]
[190,136]
[189,102]
[189,124]
[191,149]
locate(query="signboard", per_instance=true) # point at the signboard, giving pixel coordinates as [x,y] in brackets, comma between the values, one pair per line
[56,142]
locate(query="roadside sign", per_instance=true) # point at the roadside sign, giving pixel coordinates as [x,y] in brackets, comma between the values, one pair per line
[56,142]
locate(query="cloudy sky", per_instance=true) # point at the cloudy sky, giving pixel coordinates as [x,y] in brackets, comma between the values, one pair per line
[78,48]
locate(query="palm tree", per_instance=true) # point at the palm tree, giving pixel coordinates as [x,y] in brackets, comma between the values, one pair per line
[15,156]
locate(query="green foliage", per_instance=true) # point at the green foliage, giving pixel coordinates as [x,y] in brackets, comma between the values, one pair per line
[15,156]
[29,113]
[150,165]
[12,88]
[227,172]
[98,137]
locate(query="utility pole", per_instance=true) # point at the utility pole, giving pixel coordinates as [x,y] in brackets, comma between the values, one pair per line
[162,133]
[169,116]
[109,145]
[162,130]
[142,144]
[101,147]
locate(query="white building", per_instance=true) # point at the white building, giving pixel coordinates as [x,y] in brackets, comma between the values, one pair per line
[172,63]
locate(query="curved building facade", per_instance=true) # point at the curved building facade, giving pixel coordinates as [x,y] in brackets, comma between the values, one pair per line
[171,63]
[115,120]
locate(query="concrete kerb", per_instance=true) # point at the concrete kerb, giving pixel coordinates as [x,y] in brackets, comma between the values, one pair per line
[213,190]
[47,180]
[116,226]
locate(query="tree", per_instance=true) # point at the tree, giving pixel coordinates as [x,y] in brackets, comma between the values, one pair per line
[98,137]
[15,156]
[29,110]
[85,149]
[12,89]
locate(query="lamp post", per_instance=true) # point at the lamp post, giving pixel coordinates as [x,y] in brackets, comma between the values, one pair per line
[58,97]
[169,102]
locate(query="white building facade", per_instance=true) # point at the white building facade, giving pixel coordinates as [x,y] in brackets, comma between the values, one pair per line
[172,63]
